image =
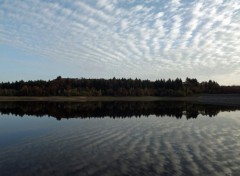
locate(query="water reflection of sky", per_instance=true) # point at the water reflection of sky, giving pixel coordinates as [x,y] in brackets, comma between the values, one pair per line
[137,146]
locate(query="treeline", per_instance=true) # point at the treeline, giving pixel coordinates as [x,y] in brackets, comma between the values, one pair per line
[113,87]
[62,110]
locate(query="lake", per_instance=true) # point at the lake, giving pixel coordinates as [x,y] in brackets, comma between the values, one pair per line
[119,138]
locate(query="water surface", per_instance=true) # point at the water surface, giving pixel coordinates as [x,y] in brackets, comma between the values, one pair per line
[123,138]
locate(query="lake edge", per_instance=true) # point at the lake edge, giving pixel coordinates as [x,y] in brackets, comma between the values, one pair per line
[218,99]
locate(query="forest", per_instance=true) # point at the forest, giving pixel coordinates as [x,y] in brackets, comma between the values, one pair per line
[113,87]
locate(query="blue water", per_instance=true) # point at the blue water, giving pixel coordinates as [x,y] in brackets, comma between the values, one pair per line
[31,145]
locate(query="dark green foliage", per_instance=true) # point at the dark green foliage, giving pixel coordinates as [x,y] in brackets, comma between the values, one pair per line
[112,87]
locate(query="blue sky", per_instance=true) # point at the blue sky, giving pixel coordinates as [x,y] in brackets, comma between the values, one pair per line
[147,39]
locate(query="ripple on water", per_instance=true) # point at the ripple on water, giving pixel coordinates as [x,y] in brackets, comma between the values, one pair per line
[131,146]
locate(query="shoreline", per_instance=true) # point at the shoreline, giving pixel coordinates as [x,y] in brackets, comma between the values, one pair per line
[218,99]
[91,98]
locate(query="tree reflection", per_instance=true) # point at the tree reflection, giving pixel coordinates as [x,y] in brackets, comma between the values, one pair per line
[118,109]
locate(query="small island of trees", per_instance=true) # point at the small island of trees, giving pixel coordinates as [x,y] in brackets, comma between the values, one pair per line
[113,87]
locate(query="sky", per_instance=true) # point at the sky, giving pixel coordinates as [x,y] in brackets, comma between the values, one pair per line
[146,39]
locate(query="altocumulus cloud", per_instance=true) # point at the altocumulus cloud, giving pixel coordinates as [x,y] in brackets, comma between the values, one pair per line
[130,38]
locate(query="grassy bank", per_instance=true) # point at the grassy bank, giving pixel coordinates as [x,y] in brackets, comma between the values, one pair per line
[221,99]
[102,98]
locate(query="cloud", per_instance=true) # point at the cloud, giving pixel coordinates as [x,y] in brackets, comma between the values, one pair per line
[155,38]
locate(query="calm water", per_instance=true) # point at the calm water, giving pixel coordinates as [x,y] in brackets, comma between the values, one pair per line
[113,138]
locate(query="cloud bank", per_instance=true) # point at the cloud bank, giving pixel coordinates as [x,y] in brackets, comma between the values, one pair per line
[144,39]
